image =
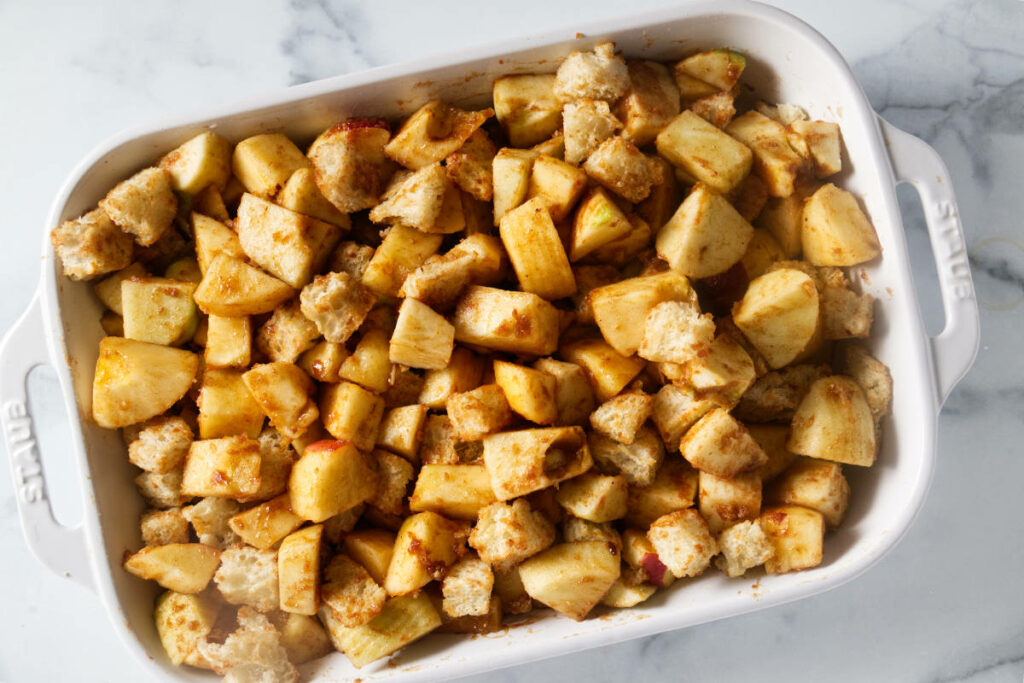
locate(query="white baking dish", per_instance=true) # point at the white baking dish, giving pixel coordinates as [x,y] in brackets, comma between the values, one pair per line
[787,62]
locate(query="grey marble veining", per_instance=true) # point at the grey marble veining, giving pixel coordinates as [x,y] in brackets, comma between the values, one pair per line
[946,605]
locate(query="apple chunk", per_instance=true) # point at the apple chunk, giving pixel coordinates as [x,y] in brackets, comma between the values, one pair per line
[180,567]
[571,578]
[835,231]
[705,236]
[833,422]
[779,314]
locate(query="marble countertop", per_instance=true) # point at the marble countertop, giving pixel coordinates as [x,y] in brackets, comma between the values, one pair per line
[946,605]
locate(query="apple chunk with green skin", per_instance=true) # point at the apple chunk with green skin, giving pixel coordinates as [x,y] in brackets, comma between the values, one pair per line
[571,578]
[779,314]
[159,310]
[135,380]
[598,221]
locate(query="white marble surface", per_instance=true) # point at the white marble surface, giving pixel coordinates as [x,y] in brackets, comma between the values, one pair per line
[946,605]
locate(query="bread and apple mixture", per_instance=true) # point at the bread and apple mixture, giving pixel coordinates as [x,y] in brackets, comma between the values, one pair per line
[426,375]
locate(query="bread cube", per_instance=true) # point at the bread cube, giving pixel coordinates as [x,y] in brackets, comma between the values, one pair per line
[717,109]
[201,162]
[835,231]
[263,163]
[276,459]
[813,484]
[820,141]
[529,392]
[594,497]
[500,320]
[871,374]
[233,288]
[183,621]
[415,199]
[722,446]
[683,542]
[511,170]
[213,237]
[284,392]
[507,533]
[476,260]
[846,314]
[619,166]
[637,461]
[349,164]
[704,152]
[558,183]
[301,195]
[336,528]
[403,620]
[776,395]
[350,413]
[774,160]
[527,108]
[724,502]
[289,245]
[144,206]
[536,251]
[600,74]
[248,576]
[621,309]
[351,258]
[228,342]
[226,406]
[743,547]
[467,588]
[571,578]
[370,364]
[479,412]
[651,101]
[371,548]
[574,398]
[210,519]
[393,476]
[455,491]
[433,132]
[403,250]
[298,571]
[587,123]
[676,332]
[674,409]
[329,478]
[462,374]
[426,545]
[351,595]
[621,417]
[161,490]
[401,431]
[797,536]
[608,371]
[304,638]
[91,246]
[228,467]
[440,445]
[575,529]
[323,361]
[470,166]
[422,337]
[162,527]
[834,422]
[723,373]
[253,651]
[161,445]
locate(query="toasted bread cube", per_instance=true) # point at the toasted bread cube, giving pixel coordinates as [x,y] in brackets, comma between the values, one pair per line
[621,417]
[846,314]
[821,139]
[403,250]
[574,398]
[183,621]
[340,525]
[470,167]
[594,497]
[463,373]
[228,342]
[350,413]
[575,529]
[228,467]
[500,320]
[91,245]
[161,445]
[264,525]
[253,650]
[571,578]
[527,108]
[108,290]
[529,392]
[212,238]
[529,460]
[620,309]
[774,160]
[511,170]
[835,231]
[180,567]
[683,542]
[508,533]
[289,245]
[248,576]
[536,251]
[231,287]
[276,459]
[705,236]
[723,373]
[650,103]
[401,431]
[201,162]
[298,571]
[587,123]
[393,476]
[479,412]
[813,484]
[476,260]
[323,361]
[161,527]
[226,406]
[724,502]
[263,163]
[455,491]
[440,445]
[403,620]
[871,374]
[619,166]
[330,477]
[704,152]
[304,638]
[349,164]
[371,548]
[719,444]
[370,364]
[717,109]
[797,537]
[600,74]
[415,199]
[433,132]
[210,518]
[834,422]
[467,588]
[608,371]
[161,490]
[637,461]
[422,337]
[301,195]
[558,183]
[143,206]
[351,595]
[284,392]
[351,258]
[744,546]
[676,332]
[674,409]
[426,545]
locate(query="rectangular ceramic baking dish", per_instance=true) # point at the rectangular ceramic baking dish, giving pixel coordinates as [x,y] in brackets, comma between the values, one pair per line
[787,62]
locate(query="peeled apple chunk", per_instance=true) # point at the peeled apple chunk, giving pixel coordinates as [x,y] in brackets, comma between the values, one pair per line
[705,236]
[833,422]
[571,578]
[835,231]
[136,380]
[779,314]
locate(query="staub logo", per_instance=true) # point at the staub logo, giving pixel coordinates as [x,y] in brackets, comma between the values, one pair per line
[21,446]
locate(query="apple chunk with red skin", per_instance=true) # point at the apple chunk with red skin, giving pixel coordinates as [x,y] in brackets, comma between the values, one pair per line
[656,570]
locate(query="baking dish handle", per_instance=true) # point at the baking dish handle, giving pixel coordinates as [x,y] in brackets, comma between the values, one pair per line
[63,549]
[954,349]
